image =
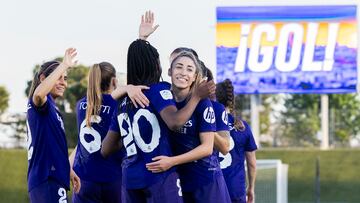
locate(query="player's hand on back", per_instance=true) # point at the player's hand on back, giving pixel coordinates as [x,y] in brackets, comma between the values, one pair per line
[137,96]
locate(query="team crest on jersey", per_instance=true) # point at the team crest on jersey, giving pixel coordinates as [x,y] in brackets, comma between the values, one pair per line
[224,117]
[166,94]
[209,115]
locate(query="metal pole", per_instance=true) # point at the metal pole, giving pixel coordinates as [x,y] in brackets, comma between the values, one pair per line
[255,118]
[324,121]
[317,180]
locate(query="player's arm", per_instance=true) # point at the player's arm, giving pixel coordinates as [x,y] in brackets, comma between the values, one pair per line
[163,163]
[111,143]
[47,83]
[222,141]
[134,92]
[175,118]
[251,170]
[74,178]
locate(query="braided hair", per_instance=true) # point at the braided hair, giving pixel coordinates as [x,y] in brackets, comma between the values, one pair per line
[225,95]
[143,64]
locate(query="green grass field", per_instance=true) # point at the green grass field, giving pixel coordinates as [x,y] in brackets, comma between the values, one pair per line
[340,179]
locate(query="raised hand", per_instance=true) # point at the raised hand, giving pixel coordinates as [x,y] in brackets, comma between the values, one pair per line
[147,25]
[69,57]
[137,96]
[204,89]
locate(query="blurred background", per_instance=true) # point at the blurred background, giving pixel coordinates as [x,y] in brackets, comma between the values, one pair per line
[294,66]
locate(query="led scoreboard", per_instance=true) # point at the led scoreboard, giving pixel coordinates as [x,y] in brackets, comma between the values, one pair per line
[287,49]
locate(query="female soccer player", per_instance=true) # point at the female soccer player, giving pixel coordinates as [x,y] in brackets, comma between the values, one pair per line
[145,131]
[222,135]
[200,174]
[100,178]
[242,146]
[48,170]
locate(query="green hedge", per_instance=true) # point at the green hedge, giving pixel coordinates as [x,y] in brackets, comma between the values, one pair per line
[339,174]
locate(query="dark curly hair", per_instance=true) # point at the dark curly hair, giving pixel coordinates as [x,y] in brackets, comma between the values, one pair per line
[225,95]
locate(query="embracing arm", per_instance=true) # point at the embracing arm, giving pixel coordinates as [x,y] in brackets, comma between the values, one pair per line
[222,141]
[111,143]
[39,96]
[163,163]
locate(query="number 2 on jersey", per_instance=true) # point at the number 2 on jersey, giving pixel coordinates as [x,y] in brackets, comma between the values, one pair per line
[132,135]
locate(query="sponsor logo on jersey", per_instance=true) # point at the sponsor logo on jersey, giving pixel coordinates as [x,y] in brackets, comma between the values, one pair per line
[209,115]
[224,117]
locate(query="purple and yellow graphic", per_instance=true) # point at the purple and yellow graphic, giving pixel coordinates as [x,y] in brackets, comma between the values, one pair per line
[288,49]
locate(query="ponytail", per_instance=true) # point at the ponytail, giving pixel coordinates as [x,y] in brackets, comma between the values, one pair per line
[99,81]
[93,95]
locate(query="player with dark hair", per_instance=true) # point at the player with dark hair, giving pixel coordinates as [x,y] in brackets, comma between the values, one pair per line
[145,131]
[242,147]
[49,168]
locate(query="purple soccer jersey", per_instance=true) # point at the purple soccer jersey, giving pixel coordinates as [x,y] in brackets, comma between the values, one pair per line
[144,136]
[196,174]
[221,116]
[47,146]
[232,164]
[48,191]
[89,164]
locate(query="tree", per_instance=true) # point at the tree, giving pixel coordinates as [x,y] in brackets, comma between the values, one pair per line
[344,117]
[242,108]
[300,122]
[4,99]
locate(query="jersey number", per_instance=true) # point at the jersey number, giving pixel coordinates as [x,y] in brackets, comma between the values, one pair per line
[226,162]
[95,144]
[132,133]
[62,194]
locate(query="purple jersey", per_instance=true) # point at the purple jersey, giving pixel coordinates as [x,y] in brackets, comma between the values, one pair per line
[201,172]
[144,135]
[221,116]
[47,146]
[232,164]
[89,165]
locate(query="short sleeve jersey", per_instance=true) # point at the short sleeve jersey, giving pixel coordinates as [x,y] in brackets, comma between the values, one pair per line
[89,164]
[47,146]
[221,116]
[232,164]
[144,136]
[200,172]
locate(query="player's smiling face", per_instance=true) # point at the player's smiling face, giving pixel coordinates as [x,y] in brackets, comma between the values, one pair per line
[183,73]
[60,86]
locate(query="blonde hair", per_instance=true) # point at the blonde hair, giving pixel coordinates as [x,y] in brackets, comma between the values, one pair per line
[99,80]
[198,70]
